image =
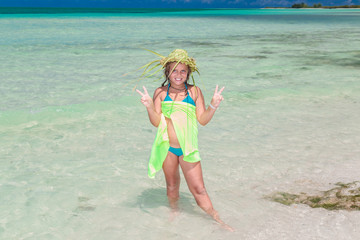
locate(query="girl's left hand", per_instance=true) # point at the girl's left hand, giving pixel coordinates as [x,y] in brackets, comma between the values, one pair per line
[217,98]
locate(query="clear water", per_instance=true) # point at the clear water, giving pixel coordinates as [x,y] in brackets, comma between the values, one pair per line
[75,141]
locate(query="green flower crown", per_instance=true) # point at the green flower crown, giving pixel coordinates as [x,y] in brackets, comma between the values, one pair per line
[178,56]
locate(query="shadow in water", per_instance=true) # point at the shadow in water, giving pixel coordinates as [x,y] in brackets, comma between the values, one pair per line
[156,197]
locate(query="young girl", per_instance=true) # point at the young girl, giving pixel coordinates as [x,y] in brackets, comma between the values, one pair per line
[175,110]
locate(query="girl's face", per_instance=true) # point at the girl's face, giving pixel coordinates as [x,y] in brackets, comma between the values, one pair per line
[179,75]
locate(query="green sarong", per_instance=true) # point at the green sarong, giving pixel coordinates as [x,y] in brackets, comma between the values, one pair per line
[183,117]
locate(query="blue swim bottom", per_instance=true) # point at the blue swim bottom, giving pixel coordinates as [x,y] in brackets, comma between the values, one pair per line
[177,151]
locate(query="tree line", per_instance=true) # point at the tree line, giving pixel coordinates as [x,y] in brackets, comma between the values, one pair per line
[304,5]
[319,5]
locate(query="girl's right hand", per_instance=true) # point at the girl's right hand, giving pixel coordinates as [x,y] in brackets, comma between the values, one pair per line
[145,98]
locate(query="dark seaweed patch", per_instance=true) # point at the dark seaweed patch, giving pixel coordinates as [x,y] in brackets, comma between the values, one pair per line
[346,196]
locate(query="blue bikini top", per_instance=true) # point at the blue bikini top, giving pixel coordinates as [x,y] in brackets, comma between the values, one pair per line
[188,98]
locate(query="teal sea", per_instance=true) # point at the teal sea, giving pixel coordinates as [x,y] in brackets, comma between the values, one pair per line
[75,138]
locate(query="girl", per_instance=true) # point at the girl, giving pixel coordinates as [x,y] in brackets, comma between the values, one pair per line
[175,109]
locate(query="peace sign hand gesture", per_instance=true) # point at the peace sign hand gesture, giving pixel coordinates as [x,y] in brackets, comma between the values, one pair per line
[145,98]
[217,98]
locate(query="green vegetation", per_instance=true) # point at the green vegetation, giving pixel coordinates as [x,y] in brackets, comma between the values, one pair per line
[344,6]
[319,5]
[300,5]
[343,197]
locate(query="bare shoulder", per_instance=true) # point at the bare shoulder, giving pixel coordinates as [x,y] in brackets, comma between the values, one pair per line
[160,92]
[195,91]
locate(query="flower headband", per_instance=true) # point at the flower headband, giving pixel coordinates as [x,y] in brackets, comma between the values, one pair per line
[177,56]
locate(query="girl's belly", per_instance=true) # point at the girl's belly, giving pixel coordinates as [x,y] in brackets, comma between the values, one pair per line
[172,134]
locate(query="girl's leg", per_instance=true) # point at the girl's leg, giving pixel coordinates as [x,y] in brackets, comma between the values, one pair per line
[172,177]
[194,179]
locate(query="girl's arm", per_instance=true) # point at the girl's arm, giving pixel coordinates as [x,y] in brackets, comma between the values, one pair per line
[153,106]
[205,115]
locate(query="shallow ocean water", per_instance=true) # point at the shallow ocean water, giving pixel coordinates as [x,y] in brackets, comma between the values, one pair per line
[75,140]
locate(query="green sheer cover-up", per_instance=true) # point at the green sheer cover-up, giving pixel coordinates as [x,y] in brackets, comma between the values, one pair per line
[183,117]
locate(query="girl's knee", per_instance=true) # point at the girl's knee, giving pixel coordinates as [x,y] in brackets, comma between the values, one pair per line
[172,187]
[199,191]
[172,191]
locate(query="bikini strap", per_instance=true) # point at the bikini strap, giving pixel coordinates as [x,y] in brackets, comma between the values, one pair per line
[167,92]
[187,91]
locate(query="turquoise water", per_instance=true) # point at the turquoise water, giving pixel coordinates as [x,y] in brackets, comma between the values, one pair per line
[75,141]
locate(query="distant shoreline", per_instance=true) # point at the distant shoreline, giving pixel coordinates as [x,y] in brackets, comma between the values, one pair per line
[311,8]
[322,7]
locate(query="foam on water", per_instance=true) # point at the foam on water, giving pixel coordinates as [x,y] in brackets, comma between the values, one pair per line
[75,142]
